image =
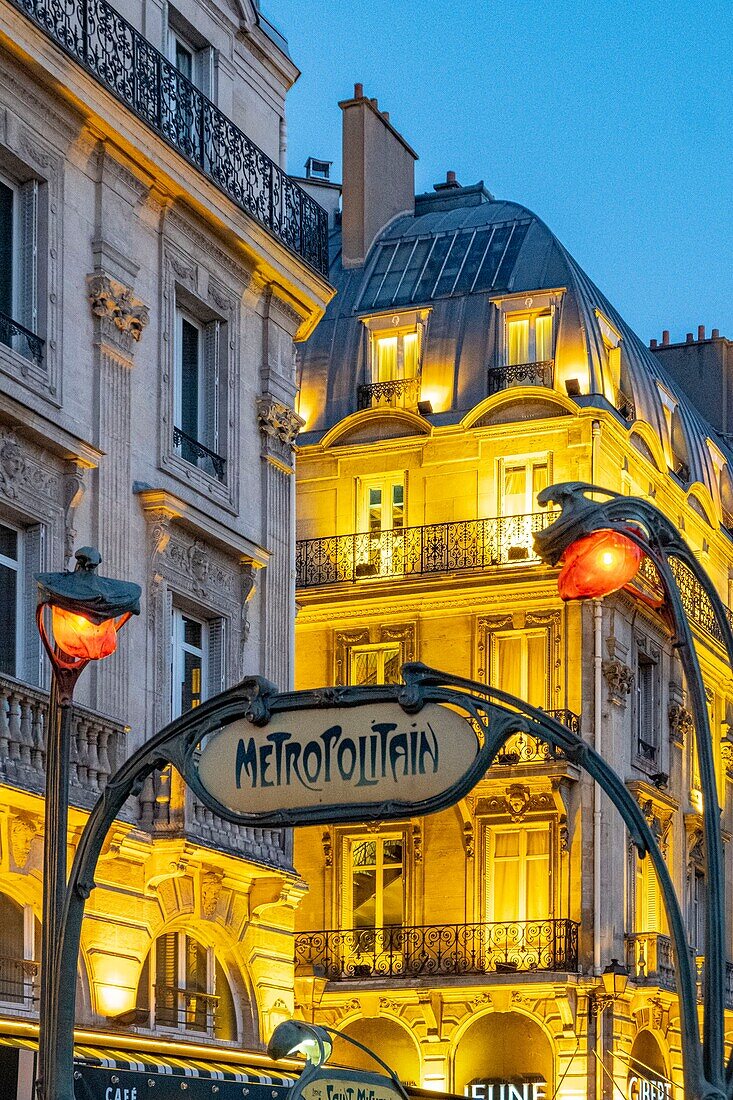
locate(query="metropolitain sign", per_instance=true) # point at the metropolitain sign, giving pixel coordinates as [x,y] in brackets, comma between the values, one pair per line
[339,763]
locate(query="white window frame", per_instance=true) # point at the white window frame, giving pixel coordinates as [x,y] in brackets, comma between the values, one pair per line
[203,56]
[523,859]
[18,567]
[495,639]
[179,648]
[181,316]
[530,315]
[387,483]
[529,462]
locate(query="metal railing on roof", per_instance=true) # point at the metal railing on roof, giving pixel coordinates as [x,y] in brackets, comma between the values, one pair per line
[101,40]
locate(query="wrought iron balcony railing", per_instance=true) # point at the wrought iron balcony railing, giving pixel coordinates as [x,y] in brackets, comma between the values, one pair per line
[651,962]
[185,1009]
[413,551]
[194,452]
[522,374]
[20,339]
[698,607]
[96,36]
[436,950]
[625,406]
[398,393]
[18,982]
[523,748]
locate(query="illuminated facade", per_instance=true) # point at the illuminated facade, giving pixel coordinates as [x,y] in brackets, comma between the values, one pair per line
[467,362]
[156,265]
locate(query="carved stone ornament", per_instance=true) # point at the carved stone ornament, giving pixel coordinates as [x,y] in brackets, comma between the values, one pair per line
[658,822]
[620,680]
[112,301]
[468,839]
[74,489]
[278,423]
[22,832]
[680,723]
[517,800]
[211,884]
[417,843]
[327,848]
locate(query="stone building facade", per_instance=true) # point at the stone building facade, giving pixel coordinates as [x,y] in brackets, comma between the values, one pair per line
[156,266]
[466,363]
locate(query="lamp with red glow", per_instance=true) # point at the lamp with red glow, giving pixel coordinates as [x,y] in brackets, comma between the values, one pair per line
[597,565]
[87,611]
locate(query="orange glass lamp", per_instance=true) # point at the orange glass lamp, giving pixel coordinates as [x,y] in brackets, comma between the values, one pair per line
[87,611]
[597,565]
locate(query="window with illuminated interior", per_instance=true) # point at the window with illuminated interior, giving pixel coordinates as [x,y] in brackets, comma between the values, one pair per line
[183,987]
[380,521]
[374,891]
[520,480]
[519,664]
[395,349]
[528,338]
[518,882]
[197,660]
[374,664]
[20,945]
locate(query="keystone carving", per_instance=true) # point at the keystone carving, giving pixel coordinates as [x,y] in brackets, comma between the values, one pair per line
[620,680]
[22,832]
[112,301]
[211,885]
[680,723]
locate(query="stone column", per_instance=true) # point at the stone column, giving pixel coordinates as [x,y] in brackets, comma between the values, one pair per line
[119,321]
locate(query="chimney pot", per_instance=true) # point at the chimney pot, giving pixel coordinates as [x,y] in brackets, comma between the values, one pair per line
[375,104]
[450,177]
[652,344]
[701,332]
[690,338]
[665,337]
[358,91]
[715,335]
[385,116]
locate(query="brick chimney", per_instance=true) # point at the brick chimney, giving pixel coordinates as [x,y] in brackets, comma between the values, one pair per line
[378,175]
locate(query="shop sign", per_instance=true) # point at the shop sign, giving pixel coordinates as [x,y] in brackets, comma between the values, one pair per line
[512,1090]
[649,1088]
[332,1084]
[304,762]
[103,1083]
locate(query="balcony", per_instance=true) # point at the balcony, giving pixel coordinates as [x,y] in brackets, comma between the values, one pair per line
[438,950]
[419,551]
[98,38]
[169,809]
[97,744]
[194,452]
[651,962]
[523,748]
[695,601]
[522,374]
[398,393]
[26,343]
[185,1009]
[19,983]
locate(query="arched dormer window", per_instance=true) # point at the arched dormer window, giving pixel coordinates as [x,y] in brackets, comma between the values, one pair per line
[183,987]
[20,947]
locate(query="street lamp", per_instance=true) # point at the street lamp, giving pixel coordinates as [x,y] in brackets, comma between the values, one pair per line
[86,612]
[593,566]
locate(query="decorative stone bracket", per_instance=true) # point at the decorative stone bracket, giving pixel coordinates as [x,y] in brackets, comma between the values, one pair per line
[113,302]
[279,425]
[680,723]
[620,680]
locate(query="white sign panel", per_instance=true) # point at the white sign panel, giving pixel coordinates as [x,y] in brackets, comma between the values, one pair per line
[304,759]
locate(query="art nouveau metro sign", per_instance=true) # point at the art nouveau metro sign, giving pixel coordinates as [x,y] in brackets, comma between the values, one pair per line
[350,754]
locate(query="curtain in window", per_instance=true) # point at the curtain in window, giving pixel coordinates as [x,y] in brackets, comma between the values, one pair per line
[509,653]
[409,354]
[543,337]
[537,671]
[386,347]
[506,877]
[515,490]
[517,341]
[537,905]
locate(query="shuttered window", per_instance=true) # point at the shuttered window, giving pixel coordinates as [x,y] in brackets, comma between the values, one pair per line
[647,708]
[21,557]
[199,393]
[197,660]
[18,262]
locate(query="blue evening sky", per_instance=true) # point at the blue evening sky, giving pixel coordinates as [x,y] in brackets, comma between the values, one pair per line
[612,122]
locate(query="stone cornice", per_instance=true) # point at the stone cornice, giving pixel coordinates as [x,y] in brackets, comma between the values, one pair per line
[159,502]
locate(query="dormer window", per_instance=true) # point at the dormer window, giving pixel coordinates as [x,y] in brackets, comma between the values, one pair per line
[528,338]
[394,353]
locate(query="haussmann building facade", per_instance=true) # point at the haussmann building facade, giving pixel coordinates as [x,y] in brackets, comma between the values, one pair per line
[156,265]
[467,362]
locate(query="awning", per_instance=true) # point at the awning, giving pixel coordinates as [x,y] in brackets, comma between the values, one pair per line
[102,1073]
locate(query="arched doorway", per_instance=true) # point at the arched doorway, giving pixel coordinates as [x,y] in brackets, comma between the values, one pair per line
[390,1040]
[648,1070]
[504,1056]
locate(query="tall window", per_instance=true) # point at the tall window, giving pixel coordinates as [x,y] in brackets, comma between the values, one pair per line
[519,664]
[697,911]
[375,664]
[199,394]
[184,987]
[519,877]
[380,546]
[375,891]
[11,601]
[520,480]
[528,338]
[19,265]
[395,355]
[197,660]
[20,944]
[191,54]
[647,708]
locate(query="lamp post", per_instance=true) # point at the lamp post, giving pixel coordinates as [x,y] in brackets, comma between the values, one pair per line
[614,980]
[599,540]
[85,611]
